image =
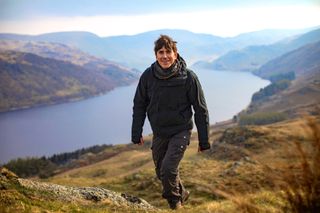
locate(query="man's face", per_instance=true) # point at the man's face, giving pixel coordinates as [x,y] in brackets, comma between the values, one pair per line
[165,57]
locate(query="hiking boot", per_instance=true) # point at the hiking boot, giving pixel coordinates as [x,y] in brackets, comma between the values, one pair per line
[185,197]
[175,205]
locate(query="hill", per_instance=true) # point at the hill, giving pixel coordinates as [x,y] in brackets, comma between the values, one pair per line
[120,75]
[252,57]
[301,97]
[302,94]
[246,169]
[137,50]
[28,80]
[300,61]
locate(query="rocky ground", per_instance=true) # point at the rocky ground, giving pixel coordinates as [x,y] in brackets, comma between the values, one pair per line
[82,195]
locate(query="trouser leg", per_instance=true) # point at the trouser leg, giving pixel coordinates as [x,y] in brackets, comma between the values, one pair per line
[167,154]
[159,149]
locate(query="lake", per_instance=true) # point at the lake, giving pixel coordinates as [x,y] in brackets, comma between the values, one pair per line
[107,119]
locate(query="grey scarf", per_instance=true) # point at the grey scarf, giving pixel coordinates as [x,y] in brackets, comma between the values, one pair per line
[176,69]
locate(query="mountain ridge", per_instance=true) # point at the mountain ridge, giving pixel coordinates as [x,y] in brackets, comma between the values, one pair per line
[136,50]
[74,68]
[252,57]
[29,80]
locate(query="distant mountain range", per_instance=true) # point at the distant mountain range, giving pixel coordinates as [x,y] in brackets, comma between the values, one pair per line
[136,51]
[252,57]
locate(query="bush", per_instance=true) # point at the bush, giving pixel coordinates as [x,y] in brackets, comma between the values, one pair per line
[45,167]
[29,167]
[283,76]
[262,118]
[270,90]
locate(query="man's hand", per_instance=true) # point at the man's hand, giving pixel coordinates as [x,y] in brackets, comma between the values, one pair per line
[203,147]
[141,141]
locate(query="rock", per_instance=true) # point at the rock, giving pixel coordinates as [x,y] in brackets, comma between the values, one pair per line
[94,194]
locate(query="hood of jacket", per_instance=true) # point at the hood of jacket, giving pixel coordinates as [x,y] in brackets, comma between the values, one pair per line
[177,70]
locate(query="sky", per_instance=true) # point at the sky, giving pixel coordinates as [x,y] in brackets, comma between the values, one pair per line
[224,18]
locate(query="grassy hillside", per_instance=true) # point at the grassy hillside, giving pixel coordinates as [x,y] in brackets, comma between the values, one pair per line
[244,171]
[28,80]
[302,97]
[120,75]
[239,171]
[41,73]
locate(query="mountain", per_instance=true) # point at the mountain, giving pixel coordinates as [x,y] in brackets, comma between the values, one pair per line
[29,80]
[192,46]
[299,61]
[252,57]
[302,95]
[120,75]
[137,50]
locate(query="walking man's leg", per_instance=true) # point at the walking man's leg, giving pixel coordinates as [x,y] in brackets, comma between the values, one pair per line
[159,149]
[173,189]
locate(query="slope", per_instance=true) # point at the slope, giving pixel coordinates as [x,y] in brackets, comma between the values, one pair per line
[300,61]
[29,80]
[244,164]
[120,75]
[303,93]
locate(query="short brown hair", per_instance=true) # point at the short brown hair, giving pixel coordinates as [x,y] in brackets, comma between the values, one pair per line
[166,42]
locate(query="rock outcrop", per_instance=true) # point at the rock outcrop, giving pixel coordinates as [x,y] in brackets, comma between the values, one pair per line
[73,194]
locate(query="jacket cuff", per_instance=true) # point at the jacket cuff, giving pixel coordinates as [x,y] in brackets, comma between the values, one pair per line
[135,140]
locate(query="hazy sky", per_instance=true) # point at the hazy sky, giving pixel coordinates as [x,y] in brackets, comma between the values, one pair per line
[127,17]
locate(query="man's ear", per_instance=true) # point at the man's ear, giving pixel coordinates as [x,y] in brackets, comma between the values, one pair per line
[176,55]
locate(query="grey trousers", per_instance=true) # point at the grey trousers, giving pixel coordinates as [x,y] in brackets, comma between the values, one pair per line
[167,154]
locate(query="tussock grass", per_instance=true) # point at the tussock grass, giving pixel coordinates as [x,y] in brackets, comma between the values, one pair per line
[295,175]
[302,181]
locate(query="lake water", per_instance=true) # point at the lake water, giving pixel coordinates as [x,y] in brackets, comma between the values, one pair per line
[107,119]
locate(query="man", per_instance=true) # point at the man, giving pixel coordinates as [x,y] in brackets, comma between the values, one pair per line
[166,92]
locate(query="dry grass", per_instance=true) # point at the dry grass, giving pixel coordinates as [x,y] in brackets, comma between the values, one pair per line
[302,181]
[294,172]
[216,184]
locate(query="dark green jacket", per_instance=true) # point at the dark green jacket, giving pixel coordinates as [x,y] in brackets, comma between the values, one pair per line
[167,102]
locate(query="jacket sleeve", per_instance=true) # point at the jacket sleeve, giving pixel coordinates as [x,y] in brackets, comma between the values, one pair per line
[140,103]
[201,116]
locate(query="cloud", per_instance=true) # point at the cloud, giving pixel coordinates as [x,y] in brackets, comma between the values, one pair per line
[223,22]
